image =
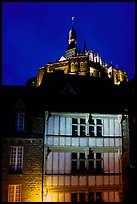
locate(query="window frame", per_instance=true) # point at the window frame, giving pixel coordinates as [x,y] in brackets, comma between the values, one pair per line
[16,158]
[19,121]
[14,193]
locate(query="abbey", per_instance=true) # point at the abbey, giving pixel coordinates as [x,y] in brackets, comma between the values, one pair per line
[85,63]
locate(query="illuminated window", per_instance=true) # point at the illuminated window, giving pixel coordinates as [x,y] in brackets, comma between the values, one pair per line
[19,122]
[16,158]
[14,193]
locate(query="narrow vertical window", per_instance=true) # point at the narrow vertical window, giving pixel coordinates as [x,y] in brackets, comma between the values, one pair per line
[98,197]
[74,127]
[14,193]
[19,122]
[74,197]
[16,158]
[82,197]
[91,197]
[99,128]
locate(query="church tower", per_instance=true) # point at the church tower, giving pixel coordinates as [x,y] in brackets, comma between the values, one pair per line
[72,49]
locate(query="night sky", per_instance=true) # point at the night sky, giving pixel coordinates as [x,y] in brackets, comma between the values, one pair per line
[34,33]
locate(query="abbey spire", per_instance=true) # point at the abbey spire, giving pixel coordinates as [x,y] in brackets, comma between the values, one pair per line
[72,34]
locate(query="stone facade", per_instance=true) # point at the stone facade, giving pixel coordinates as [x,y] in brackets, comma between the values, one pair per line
[30,178]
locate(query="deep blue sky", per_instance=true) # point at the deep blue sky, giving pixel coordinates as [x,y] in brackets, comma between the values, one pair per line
[34,33]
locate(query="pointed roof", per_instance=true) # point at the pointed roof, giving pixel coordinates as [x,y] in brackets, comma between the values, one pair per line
[72,33]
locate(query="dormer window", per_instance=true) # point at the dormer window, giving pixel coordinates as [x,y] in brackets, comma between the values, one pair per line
[19,122]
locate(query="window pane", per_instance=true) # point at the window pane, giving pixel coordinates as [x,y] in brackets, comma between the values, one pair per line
[91,121]
[99,131]
[82,164]
[98,155]
[91,197]
[91,165]
[74,121]
[73,197]
[99,122]
[82,156]
[98,196]
[82,130]
[74,155]
[74,130]
[74,165]
[91,131]
[82,121]
[82,197]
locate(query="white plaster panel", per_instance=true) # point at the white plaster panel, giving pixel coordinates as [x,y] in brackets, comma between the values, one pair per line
[49,163]
[68,126]
[99,180]
[99,142]
[50,125]
[106,180]
[117,180]
[75,142]
[74,180]
[82,180]
[55,197]
[117,127]
[55,162]
[56,141]
[56,125]
[92,142]
[61,197]
[117,142]
[62,141]
[105,196]
[111,196]
[91,180]
[111,142]
[55,180]
[61,180]
[117,196]
[48,180]
[111,163]
[67,162]
[68,141]
[117,170]
[111,126]
[106,142]
[83,142]
[105,127]
[62,126]
[50,141]
[67,197]
[111,180]
[106,167]
[61,163]
[67,180]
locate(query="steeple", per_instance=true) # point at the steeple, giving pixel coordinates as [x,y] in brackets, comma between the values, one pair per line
[84,48]
[72,34]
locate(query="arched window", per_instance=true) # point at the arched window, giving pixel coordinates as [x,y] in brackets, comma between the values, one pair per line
[72,67]
[76,66]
